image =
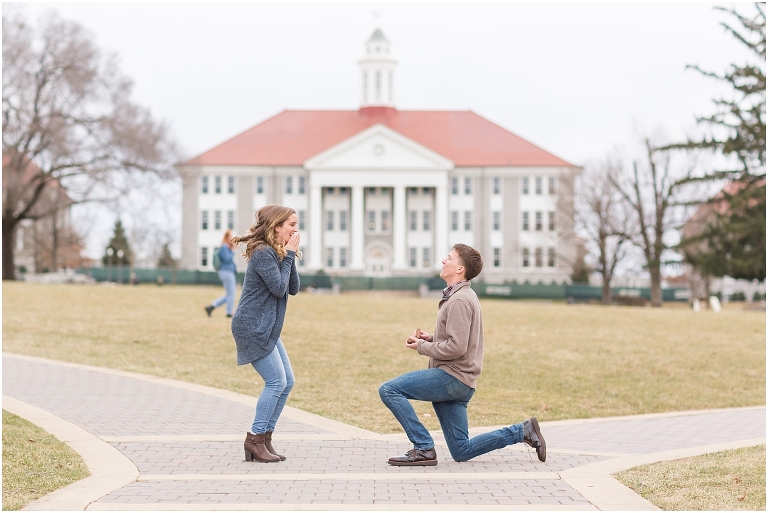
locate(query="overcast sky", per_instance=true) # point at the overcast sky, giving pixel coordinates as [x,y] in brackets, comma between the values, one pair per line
[576,79]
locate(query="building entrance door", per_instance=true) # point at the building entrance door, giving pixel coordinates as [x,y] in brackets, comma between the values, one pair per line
[378,262]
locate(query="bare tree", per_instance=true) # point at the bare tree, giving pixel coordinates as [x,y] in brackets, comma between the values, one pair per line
[603,219]
[67,109]
[658,191]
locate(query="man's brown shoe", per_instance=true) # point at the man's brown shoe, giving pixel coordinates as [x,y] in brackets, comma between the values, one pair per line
[416,458]
[532,436]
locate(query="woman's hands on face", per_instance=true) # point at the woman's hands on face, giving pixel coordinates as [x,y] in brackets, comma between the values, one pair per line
[293,242]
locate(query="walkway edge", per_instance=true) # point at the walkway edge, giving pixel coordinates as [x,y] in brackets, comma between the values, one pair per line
[109,468]
[596,482]
[289,412]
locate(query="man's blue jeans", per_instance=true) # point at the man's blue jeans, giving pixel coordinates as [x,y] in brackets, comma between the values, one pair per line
[449,397]
[228,280]
[275,369]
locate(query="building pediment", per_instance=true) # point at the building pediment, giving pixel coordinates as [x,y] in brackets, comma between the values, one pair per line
[378,148]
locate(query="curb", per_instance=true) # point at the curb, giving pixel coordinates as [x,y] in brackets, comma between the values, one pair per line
[109,468]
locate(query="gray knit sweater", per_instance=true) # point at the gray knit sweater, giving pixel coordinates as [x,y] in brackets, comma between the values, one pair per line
[259,317]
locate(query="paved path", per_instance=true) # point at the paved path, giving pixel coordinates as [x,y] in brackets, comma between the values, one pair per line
[158,444]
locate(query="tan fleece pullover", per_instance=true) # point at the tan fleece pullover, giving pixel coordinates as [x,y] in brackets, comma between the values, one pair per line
[457,343]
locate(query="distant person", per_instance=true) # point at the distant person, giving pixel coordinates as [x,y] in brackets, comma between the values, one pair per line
[456,359]
[226,275]
[272,246]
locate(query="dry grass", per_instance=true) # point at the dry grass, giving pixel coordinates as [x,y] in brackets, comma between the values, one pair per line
[34,463]
[551,360]
[728,480]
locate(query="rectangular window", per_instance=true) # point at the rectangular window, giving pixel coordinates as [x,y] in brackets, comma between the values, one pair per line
[302,185]
[204,220]
[467,221]
[427,220]
[551,257]
[552,185]
[217,220]
[551,221]
[496,185]
[330,190]
[526,258]
[371,191]
[343,191]
[230,219]
[526,221]
[302,215]
[342,220]
[539,257]
[454,220]
[538,185]
[467,185]
[496,221]
[342,257]
[217,185]
[329,220]
[259,185]
[204,257]
[204,184]
[371,220]
[525,185]
[412,257]
[329,257]
[413,220]
[426,191]
[385,220]
[497,257]
[230,185]
[426,255]
[538,221]
[454,186]
[289,185]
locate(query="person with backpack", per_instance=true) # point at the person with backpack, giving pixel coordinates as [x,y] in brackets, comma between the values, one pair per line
[224,263]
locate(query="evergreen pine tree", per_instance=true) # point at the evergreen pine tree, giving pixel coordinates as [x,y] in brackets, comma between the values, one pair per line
[733,241]
[166,259]
[117,243]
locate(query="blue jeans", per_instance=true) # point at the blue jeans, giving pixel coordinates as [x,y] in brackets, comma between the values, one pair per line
[228,279]
[449,398]
[275,369]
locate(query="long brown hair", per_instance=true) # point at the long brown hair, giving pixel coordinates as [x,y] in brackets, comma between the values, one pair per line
[262,232]
[227,239]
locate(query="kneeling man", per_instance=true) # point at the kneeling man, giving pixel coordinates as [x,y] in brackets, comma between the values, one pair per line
[455,353]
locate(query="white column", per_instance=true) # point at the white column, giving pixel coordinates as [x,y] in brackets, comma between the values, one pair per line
[441,226]
[399,215]
[357,219]
[315,227]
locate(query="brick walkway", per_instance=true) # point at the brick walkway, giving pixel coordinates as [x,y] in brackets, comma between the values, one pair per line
[184,443]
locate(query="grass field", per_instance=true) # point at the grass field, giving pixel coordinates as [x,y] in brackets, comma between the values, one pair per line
[722,481]
[548,359]
[552,360]
[34,463]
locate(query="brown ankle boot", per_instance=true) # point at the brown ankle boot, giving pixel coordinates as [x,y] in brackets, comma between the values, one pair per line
[268,443]
[256,450]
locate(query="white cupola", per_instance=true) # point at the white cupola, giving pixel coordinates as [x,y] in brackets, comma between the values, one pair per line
[377,71]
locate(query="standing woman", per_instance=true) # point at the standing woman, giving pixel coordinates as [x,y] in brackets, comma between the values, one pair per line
[271,249]
[226,275]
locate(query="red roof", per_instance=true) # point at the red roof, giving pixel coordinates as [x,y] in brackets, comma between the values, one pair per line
[293,136]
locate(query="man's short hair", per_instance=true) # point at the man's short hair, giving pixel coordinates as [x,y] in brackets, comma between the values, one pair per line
[471,259]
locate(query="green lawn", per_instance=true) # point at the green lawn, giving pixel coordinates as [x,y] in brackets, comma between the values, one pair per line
[34,463]
[722,481]
[547,359]
[551,360]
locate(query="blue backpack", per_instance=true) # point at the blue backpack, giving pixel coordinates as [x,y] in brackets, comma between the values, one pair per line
[216,259]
